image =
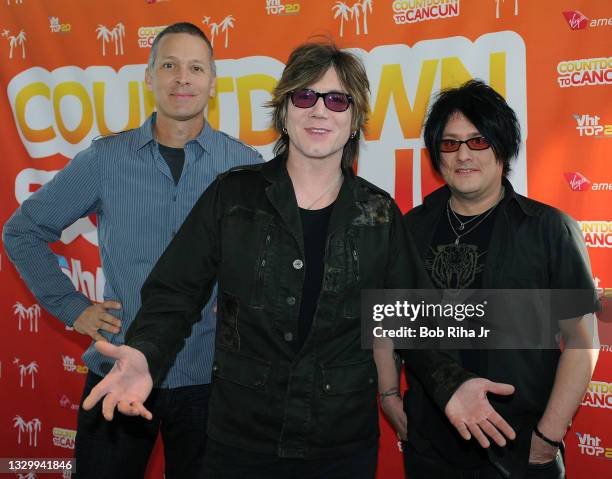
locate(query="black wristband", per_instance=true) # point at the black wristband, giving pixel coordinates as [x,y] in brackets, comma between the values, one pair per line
[544,438]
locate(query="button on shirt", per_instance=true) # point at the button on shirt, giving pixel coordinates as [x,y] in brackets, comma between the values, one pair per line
[124,180]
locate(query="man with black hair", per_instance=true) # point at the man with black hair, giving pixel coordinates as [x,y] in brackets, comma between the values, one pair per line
[141,184]
[475,233]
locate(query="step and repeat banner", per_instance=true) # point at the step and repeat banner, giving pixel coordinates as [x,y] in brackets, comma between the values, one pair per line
[73,70]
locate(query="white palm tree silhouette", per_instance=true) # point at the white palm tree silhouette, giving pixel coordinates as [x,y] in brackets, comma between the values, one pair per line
[21,38]
[22,373]
[33,313]
[104,34]
[20,424]
[33,427]
[342,11]
[355,11]
[214,31]
[32,369]
[497,7]
[118,34]
[18,309]
[226,24]
[12,44]
[365,6]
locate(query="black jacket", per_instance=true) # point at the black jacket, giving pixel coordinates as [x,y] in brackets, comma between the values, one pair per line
[245,232]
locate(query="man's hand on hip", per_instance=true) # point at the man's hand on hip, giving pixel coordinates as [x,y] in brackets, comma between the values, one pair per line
[95,318]
[126,386]
[471,413]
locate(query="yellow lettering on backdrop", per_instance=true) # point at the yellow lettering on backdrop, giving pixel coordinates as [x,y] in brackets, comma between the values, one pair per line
[133,108]
[392,84]
[497,72]
[21,101]
[148,98]
[77,90]
[246,85]
[224,85]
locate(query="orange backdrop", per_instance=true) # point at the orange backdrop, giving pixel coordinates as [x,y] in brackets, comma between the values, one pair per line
[72,70]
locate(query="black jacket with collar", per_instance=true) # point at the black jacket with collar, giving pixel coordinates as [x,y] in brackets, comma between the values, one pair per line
[245,232]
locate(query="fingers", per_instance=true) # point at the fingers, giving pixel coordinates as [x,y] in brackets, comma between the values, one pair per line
[98,337]
[492,433]
[501,424]
[479,435]
[134,408]
[111,305]
[463,431]
[108,349]
[108,406]
[94,396]
[501,389]
[109,323]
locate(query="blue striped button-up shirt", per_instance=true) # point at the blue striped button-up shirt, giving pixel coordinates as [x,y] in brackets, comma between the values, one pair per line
[125,181]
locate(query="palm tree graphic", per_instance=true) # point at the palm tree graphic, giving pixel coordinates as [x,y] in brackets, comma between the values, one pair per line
[33,427]
[104,34]
[226,24]
[32,369]
[12,44]
[497,2]
[214,31]
[21,38]
[342,11]
[22,373]
[33,313]
[118,33]
[365,6]
[18,309]
[20,424]
[206,20]
[355,11]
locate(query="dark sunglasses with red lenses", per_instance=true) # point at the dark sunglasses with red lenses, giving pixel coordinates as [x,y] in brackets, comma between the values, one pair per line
[333,100]
[476,143]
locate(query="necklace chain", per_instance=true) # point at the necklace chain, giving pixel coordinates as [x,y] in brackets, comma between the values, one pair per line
[327,190]
[483,216]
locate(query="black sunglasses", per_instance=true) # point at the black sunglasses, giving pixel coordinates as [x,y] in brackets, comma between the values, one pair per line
[333,100]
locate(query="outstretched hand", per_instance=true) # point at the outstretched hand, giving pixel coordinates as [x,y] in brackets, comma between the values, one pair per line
[126,386]
[470,411]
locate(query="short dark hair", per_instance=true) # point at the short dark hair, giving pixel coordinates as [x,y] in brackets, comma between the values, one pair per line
[181,27]
[486,109]
[306,65]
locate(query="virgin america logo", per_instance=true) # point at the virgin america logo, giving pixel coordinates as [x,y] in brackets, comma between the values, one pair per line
[576,20]
[577,181]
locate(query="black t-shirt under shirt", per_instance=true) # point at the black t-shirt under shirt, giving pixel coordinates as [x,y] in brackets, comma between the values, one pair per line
[315,224]
[175,157]
[461,266]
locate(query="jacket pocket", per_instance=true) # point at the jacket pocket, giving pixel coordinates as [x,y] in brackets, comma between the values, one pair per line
[252,373]
[347,410]
[348,378]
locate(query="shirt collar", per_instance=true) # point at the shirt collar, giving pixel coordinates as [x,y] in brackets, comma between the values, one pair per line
[206,138]
[439,197]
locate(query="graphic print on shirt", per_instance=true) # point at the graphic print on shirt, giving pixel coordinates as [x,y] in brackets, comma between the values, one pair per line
[452,266]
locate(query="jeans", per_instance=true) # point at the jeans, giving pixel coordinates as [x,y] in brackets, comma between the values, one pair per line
[121,448]
[227,462]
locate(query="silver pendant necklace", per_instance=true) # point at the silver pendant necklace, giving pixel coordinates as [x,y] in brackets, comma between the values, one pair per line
[483,216]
